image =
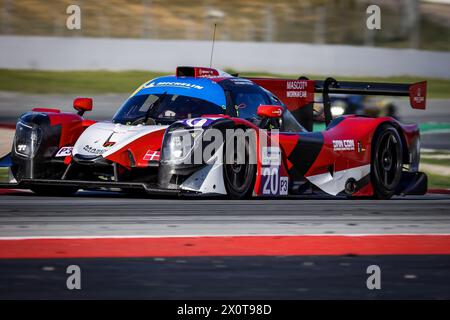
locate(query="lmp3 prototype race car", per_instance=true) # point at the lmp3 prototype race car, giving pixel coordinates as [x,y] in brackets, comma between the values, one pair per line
[205,132]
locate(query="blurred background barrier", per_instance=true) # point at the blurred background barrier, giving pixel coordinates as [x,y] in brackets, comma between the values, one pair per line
[414,24]
[81,53]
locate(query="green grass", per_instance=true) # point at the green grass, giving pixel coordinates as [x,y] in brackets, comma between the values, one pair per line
[435,152]
[85,82]
[78,82]
[440,162]
[437,181]
[3,174]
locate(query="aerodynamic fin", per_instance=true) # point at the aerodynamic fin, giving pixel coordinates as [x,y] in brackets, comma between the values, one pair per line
[416,91]
[298,93]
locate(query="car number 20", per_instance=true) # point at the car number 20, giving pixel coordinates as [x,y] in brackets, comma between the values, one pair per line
[273,184]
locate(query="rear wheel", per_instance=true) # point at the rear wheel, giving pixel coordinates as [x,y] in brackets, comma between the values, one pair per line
[386,167]
[239,178]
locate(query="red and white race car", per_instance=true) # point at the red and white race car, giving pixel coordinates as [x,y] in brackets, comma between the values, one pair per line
[203,131]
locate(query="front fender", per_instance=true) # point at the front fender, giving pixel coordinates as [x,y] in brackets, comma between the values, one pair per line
[38,138]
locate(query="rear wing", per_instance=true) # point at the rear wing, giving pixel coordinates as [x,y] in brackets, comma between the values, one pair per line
[298,93]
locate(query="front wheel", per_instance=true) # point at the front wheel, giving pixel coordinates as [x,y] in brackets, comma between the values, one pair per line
[386,167]
[239,176]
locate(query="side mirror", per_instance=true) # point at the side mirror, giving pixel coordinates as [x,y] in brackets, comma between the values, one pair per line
[82,105]
[269,111]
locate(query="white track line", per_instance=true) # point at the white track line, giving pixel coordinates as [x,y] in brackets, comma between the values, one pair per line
[221,236]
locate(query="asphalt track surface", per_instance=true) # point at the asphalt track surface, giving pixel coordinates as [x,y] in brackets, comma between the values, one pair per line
[280,277]
[111,214]
[276,276]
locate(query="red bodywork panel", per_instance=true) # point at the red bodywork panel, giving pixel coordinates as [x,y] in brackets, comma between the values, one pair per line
[357,130]
[45,110]
[418,95]
[294,93]
[72,126]
[139,149]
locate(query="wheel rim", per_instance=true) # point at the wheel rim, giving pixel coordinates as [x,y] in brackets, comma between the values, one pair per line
[388,160]
[238,175]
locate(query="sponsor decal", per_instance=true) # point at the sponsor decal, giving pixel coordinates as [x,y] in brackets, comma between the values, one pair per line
[271,156]
[277,112]
[297,89]
[272,183]
[22,147]
[271,180]
[108,144]
[206,72]
[64,152]
[344,145]
[110,141]
[151,155]
[198,122]
[93,150]
[173,84]
[360,147]
[297,85]
[296,94]
[418,98]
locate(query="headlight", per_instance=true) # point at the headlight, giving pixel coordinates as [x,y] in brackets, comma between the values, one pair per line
[27,140]
[178,146]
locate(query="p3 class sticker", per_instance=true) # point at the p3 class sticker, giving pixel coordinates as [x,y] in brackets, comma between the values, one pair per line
[284,184]
[272,183]
[64,152]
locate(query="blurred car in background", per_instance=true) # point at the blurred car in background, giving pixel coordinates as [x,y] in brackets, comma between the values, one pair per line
[359,105]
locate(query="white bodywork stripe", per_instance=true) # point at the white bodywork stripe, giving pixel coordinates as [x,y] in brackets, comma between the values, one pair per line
[123,143]
[333,184]
[208,179]
[97,134]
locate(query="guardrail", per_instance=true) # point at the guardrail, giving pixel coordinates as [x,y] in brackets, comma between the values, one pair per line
[80,53]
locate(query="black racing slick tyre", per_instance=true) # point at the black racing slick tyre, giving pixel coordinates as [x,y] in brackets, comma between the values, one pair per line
[239,176]
[54,192]
[386,166]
